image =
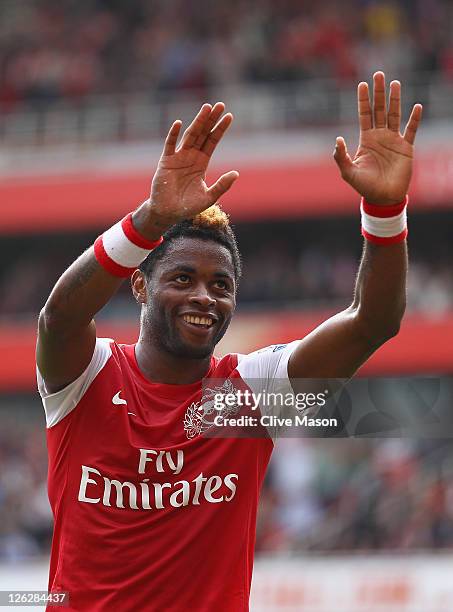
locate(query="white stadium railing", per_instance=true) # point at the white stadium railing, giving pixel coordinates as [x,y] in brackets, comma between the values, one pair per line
[257,107]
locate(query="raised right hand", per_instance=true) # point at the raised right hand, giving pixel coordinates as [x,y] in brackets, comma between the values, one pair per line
[178,189]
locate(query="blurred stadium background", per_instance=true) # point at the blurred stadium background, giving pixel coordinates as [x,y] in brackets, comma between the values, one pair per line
[87,91]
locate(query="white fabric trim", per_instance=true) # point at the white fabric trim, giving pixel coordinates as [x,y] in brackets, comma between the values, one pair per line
[267,370]
[121,250]
[384,227]
[268,363]
[60,404]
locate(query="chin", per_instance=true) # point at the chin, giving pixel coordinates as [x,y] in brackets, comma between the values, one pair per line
[195,352]
[189,350]
[200,350]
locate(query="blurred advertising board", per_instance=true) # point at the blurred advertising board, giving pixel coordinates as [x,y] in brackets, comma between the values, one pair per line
[353,584]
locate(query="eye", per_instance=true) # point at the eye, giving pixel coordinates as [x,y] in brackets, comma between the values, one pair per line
[183,279]
[221,284]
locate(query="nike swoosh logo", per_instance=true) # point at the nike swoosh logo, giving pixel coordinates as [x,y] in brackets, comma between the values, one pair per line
[116,399]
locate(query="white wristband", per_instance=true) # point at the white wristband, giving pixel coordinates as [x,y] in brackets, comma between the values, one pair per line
[384,224]
[121,249]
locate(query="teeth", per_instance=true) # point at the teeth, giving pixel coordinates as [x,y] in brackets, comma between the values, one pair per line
[198,320]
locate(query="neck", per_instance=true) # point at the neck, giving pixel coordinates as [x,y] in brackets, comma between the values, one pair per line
[159,366]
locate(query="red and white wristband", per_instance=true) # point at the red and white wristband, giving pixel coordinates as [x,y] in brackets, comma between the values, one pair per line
[384,224]
[121,249]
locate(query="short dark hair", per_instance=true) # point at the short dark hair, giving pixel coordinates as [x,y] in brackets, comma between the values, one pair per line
[211,224]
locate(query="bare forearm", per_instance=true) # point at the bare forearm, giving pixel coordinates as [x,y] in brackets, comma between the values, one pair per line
[86,286]
[79,294]
[67,332]
[380,292]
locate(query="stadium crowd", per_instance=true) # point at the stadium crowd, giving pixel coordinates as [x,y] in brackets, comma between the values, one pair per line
[320,495]
[25,515]
[303,271]
[344,495]
[70,50]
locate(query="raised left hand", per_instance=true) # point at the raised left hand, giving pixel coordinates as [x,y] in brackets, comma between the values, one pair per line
[382,166]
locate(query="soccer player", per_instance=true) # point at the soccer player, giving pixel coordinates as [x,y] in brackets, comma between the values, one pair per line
[150,513]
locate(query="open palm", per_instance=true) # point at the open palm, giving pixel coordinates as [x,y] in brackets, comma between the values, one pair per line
[382,166]
[179,190]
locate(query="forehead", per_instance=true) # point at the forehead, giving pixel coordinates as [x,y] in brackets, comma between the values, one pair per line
[205,256]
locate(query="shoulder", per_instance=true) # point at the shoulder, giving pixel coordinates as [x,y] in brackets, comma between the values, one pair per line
[267,362]
[60,404]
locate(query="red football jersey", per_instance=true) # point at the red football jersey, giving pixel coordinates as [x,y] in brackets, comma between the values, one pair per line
[150,514]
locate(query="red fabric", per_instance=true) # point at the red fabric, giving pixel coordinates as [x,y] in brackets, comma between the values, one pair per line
[285,189]
[114,553]
[135,237]
[376,210]
[106,262]
[389,240]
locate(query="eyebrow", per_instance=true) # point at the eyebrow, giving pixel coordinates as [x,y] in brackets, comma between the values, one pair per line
[182,268]
[192,270]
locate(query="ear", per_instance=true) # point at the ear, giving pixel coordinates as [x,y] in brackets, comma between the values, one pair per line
[138,284]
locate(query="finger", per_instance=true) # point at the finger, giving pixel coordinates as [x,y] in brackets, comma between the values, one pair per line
[342,157]
[379,103]
[172,138]
[413,123]
[222,185]
[216,134]
[216,112]
[394,114]
[196,127]
[363,101]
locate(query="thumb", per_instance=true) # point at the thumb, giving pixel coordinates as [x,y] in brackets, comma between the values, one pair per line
[222,185]
[342,157]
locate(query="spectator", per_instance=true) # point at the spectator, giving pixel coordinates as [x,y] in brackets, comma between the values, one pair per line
[72,50]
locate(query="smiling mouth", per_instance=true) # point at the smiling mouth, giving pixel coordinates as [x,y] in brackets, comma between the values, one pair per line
[201,322]
[199,325]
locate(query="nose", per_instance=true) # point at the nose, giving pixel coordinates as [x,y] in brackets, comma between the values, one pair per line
[201,296]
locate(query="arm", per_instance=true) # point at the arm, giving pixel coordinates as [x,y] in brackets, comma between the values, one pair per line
[66,329]
[380,172]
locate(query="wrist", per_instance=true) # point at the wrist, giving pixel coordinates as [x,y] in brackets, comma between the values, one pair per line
[381,202]
[384,224]
[121,249]
[148,222]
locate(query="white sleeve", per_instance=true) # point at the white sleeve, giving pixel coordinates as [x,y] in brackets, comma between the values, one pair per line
[268,365]
[266,370]
[60,404]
